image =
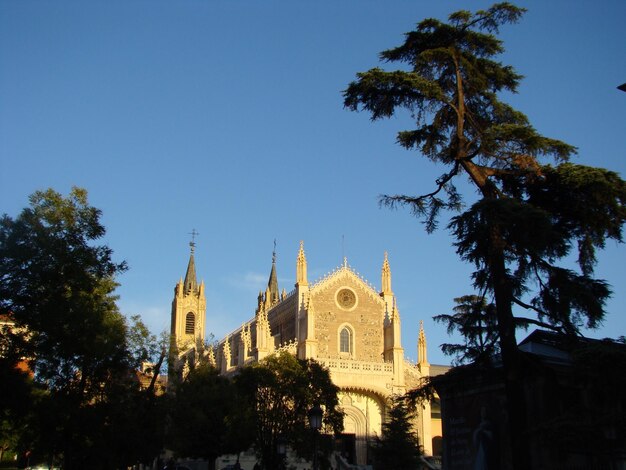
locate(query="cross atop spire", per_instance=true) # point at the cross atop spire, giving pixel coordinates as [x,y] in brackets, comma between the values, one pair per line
[274,253]
[191,284]
[272,283]
[192,243]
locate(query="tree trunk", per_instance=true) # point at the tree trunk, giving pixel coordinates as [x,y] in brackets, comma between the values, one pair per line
[156,371]
[511,359]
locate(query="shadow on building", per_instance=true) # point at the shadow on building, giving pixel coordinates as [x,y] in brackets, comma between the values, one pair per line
[575,399]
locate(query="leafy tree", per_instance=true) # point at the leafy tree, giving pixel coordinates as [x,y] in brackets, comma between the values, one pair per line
[17,387]
[207,417]
[398,447]
[475,320]
[144,347]
[58,287]
[123,427]
[529,215]
[280,391]
[142,344]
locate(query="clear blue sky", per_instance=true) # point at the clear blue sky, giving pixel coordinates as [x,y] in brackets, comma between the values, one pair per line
[226,116]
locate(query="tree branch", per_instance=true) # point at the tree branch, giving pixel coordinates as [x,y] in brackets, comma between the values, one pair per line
[539,323]
[441,183]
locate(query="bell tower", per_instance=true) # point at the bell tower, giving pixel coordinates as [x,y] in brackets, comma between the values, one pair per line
[188,309]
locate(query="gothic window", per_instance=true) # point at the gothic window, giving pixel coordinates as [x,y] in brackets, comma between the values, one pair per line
[435,409]
[190,324]
[345,341]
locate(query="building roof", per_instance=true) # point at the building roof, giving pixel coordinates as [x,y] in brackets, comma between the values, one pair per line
[557,347]
[191,284]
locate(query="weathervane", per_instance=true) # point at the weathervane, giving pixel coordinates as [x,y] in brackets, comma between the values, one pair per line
[274,252]
[192,243]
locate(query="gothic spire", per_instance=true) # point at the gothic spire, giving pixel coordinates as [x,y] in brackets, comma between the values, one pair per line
[386,276]
[272,283]
[191,284]
[421,346]
[301,267]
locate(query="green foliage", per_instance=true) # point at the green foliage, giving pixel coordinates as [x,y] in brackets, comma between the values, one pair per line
[15,393]
[475,320]
[142,344]
[59,287]
[207,416]
[398,447]
[530,215]
[587,205]
[83,406]
[539,224]
[125,426]
[450,91]
[280,390]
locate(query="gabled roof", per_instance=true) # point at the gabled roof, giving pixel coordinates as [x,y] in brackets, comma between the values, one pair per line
[346,270]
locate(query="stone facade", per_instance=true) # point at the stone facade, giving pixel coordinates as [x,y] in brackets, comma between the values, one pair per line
[344,323]
[188,317]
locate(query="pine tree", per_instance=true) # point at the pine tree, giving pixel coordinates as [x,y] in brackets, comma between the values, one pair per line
[475,320]
[529,215]
[398,447]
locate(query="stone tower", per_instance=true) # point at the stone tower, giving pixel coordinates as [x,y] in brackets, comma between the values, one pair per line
[188,318]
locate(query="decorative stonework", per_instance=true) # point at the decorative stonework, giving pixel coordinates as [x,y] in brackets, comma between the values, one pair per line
[367,375]
[185,369]
[211,356]
[346,298]
[322,331]
[290,347]
[226,351]
[246,340]
[339,275]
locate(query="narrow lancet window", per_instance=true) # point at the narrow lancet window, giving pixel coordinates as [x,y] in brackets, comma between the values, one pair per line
[345,341]
[190,324]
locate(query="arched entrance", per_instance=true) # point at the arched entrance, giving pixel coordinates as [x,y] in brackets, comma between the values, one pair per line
[353,445]
[362,420]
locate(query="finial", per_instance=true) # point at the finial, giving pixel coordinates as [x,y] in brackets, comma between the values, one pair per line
[345,261]
[422,357]
[386,276]
[301,267]
[192,243]
[274,252]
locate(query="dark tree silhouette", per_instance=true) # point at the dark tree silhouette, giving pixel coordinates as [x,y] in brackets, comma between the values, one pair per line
[398,447]
[57,284]
[281,390]
[528,215]
[475,320]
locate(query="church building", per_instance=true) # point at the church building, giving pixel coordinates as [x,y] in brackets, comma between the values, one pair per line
[343,322]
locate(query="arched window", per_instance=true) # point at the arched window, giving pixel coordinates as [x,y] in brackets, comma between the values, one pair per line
[190,324]
[345,340]
[437,446]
